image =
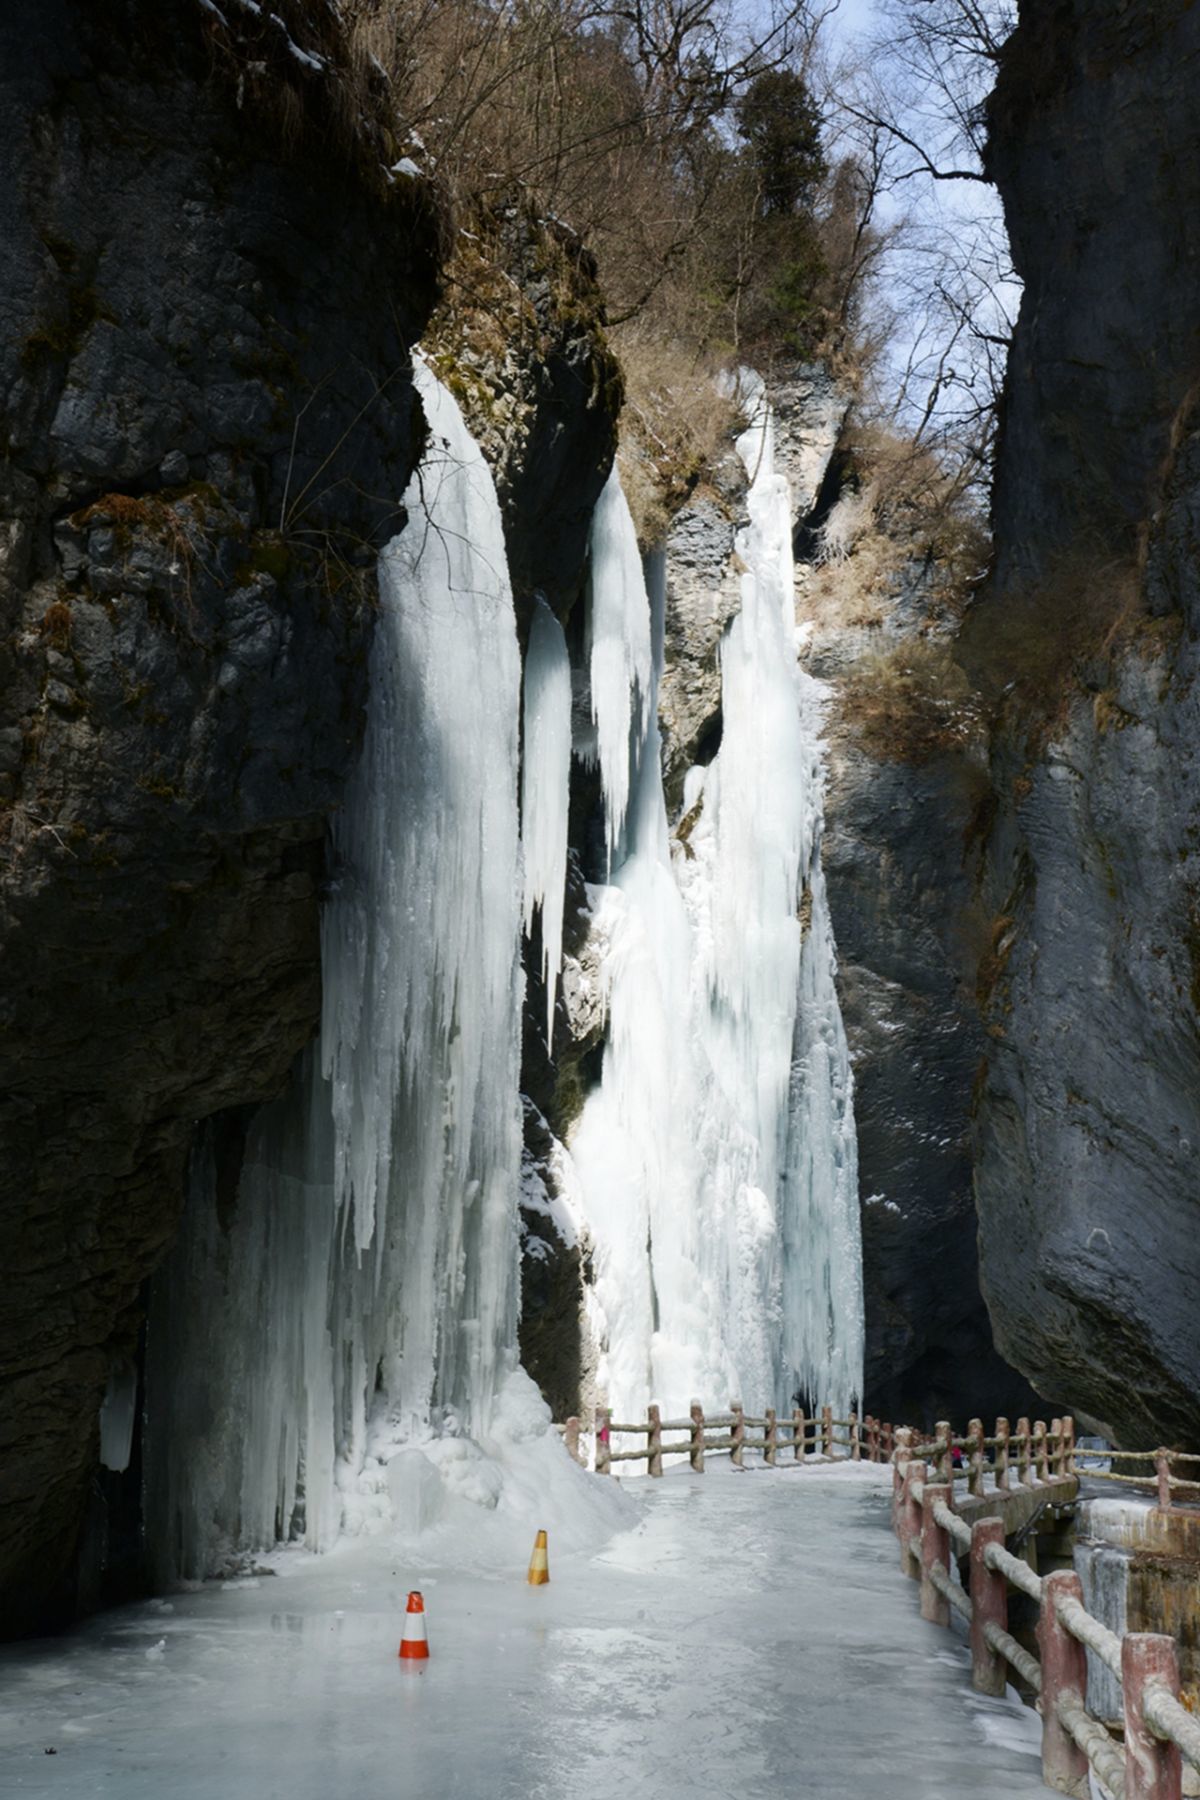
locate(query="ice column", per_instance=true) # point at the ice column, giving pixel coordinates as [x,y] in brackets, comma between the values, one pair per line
[619,646]
[545,779]
[361,1288]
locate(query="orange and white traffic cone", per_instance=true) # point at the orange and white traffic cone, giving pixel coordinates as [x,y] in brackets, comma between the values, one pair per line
[414,1645]
[539,1562]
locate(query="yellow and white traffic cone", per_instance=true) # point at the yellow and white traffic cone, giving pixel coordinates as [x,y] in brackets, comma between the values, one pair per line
[414,1645]
[539,1562]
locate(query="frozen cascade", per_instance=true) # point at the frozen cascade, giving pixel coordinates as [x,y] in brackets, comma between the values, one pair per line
[545,780]
[717,1156]
[620,654]
[360,1291]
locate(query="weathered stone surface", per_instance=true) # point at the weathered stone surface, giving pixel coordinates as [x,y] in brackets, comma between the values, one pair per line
[1089,1118]
[208,416]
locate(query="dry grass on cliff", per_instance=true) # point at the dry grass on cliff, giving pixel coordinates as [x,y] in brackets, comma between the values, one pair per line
[674,425]
[911,702]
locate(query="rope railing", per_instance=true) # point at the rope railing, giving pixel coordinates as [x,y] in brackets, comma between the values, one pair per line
[1159,1732]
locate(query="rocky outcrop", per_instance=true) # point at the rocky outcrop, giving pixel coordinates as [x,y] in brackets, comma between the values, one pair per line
[1089,1113]
[208,417]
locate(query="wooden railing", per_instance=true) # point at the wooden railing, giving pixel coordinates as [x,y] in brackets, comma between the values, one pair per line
[1049,1450]
[796,1435]
[1159,1732]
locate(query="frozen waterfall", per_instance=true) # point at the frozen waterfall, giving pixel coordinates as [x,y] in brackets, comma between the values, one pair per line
[362,1289]
[717,1157]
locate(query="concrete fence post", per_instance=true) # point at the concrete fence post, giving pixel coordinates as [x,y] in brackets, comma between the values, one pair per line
[827,1431]
[603,1440]
[771,1434]
[935,1548]
[975,1433]
[1162,1470]
[989,1603]
[571,1438]
[696,1444]
[1153,1767]
[888,1441]
[799,1427]
[1040,1470]
[909,1517]
[899,1460]
[738,1434]
[1002,1455]
[855,1441]
[654,1446]
[943,1461]
[1054,1443]
[1068,1426]
[1064,1672]
[1023,1452]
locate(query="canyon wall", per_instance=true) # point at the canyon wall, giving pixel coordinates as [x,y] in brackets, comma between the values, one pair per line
[1088,1126]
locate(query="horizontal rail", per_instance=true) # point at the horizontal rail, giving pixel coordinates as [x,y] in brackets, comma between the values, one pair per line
[1028,1667]
[1169,1720]
[958,1528]
[1105,1756]
[950,1591]
[1083,1625]
[1013,1569]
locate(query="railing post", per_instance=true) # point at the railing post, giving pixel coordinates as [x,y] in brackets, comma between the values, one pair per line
[889,1440]
[696,1446]
[855,1443]
[571,1438]
[1153,1767]
[603,1440]
[1055,1447]
[899,1460]
[975,1432]
[1023,1452]
[1002,1454]
[1162,1470]
[989,1604]
[1068,1426]
[771,1435]
[943,1460]
[654,1446]
[1064,1671]
[1040,1471]
[738,1434]
[827,1431]
[908,1523]
[799,1428]
[935,1547]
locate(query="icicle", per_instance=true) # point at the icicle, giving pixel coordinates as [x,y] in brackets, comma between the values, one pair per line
[545,778]
[619,633]
[364,1291]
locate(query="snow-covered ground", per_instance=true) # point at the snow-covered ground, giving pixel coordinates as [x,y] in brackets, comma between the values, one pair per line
[746,1634]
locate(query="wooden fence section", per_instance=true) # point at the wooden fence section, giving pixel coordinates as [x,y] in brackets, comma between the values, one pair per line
[1051,1450]
[795,1435]
[1159,1732]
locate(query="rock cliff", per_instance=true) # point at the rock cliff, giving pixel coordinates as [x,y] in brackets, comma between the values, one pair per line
[203,358]
[1089,1111]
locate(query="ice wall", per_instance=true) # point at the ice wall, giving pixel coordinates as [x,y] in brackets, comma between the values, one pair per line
[717,1156]
[363,1291]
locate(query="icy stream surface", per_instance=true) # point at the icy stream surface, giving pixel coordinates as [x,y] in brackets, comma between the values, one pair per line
[747,1635]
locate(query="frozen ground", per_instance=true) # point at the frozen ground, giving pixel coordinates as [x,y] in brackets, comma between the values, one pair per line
[750,1634]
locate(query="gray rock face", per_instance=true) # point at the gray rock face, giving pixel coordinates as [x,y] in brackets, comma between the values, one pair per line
[1089,1118]
[208,416]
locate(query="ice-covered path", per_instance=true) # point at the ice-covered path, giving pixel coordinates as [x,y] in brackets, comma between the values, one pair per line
[750,1636]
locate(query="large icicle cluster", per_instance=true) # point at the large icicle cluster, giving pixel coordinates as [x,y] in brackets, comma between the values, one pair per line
[620,655]
[717,1156]
[365,1290]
